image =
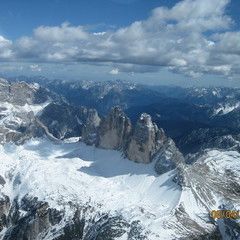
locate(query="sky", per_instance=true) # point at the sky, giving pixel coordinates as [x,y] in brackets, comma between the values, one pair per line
[187,42]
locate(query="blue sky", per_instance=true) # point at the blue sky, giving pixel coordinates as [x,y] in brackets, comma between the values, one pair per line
[188,42]
[19,18]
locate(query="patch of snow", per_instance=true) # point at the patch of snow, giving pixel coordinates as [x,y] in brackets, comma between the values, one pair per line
[9,108]
[10,113]
[225,109]
[36,108]
[72,140]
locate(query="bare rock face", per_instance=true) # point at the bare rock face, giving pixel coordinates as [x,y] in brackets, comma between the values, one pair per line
[168,157]
[142,143]
[32,219]
[4,206]
[20,103]
[90,128]
[146,140]
[4,209]
[61,120]
[2,181]
[64,121]
[114,130]
[21,93]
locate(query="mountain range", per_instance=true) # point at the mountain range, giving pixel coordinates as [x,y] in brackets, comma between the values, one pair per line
[117,160]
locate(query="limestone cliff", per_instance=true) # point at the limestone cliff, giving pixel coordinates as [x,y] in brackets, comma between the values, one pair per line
[114,130]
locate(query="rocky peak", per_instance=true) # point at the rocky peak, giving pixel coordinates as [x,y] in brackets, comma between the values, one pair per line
[146,120]
[114,130]
[21,93]
[90,128]
[2,181]
[93,118]
[149,143]
[168,157]
[142,143]
[145,141]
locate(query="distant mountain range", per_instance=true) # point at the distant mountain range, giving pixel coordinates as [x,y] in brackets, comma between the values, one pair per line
[116,160]
[181,112]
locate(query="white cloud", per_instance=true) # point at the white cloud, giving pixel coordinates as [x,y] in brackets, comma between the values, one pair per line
[114,71]
[99,33]
[194,37]
[35,68]
[198,15]
[5,48]
[63,33]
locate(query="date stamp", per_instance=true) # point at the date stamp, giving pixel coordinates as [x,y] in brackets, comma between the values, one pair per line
[225,214]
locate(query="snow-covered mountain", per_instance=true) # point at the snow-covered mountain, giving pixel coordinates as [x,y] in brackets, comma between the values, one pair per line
[102,185]
[66,172]
[49,183]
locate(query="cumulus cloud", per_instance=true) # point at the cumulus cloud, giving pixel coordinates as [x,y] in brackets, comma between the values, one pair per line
[194,37]
[114,71]
[64,33]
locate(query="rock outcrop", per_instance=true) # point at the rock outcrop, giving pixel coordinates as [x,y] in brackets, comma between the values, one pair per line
[114,130]
[142,143]
[168,157]
[65,121]
[145,141]
[32,219]
[90,127]
[29,218]
[4,209]
[2,181]
[62,120]
[19,104]
[21,93]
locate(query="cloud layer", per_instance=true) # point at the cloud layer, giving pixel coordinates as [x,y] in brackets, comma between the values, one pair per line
[194,37]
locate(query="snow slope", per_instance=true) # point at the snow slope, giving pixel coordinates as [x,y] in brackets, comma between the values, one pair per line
[13,116]
[63,172]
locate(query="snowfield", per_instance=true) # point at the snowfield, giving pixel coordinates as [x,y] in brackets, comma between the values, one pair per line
[71,171]
[62,172]
[9,108]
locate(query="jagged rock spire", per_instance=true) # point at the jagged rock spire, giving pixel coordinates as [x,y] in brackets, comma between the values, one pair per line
[114,130]
[145,141]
